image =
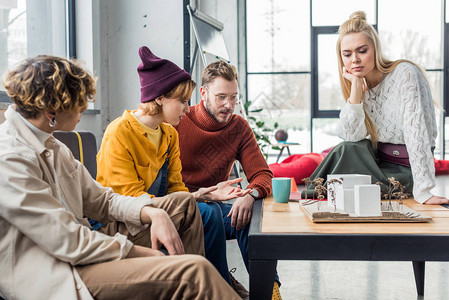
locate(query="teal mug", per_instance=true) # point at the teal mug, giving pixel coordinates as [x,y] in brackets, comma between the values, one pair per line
[281,189]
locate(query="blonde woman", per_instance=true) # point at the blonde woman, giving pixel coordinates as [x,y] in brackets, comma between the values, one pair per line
[388,122]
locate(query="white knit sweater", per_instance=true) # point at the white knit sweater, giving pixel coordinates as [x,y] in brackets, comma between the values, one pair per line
[403,114]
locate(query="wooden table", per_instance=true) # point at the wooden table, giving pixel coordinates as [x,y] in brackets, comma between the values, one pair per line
[284,232]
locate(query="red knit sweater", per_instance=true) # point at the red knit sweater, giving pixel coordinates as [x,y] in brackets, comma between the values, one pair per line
[209,149]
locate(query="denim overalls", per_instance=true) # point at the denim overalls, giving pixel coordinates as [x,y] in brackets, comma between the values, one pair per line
[158,188]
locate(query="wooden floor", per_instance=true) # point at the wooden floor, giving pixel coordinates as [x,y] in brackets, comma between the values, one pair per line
[353,279]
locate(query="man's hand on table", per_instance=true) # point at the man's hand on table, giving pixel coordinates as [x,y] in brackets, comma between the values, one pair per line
[241,211]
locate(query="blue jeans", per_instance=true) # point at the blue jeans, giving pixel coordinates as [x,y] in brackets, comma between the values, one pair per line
[217,229]
[215,237]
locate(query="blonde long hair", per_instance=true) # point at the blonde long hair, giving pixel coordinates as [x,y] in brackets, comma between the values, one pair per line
[357,23]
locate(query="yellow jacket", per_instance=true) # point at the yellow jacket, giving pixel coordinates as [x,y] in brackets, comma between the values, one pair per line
[127,161]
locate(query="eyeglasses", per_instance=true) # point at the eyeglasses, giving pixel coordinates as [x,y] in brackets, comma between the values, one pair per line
[223,98]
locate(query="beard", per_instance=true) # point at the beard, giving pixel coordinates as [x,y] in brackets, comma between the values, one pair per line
[214,114]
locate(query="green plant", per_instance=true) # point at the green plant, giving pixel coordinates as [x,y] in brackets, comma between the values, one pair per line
[261,131]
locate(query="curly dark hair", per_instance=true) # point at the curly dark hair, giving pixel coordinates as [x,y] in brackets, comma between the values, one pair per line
[49,84]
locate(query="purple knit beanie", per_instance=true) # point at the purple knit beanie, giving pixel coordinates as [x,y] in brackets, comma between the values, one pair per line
[157,76]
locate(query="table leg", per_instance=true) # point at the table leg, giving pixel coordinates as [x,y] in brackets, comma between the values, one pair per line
[280,153]
[419,270]
[261,278]
[288,150]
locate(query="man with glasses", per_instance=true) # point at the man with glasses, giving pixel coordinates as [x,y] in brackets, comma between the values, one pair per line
[211,139]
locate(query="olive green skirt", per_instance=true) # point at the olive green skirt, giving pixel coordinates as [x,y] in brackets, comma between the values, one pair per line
[360,158]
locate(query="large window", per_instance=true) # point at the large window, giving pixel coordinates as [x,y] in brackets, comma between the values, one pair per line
[417,34]
[278,45]
[278,34]
[331,12]
[292,60]
[29,28]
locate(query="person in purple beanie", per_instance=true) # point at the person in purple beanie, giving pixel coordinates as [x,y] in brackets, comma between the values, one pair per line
[140,152]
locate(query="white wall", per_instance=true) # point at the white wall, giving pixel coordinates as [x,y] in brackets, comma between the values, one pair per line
[127,30]
[119,28]
[224,11]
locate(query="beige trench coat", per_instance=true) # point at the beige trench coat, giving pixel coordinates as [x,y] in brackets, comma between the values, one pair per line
[43,237]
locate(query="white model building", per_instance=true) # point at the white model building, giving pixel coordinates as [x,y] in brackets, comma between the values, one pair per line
[355,194]
[367,200]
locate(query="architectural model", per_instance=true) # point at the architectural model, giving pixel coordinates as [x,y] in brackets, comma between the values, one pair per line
[354,194]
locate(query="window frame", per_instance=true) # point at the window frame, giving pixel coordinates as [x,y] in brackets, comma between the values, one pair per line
[316,113]
[70,40]
[445,77]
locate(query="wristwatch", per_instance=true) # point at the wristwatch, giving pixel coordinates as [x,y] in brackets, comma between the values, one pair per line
[254,193]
